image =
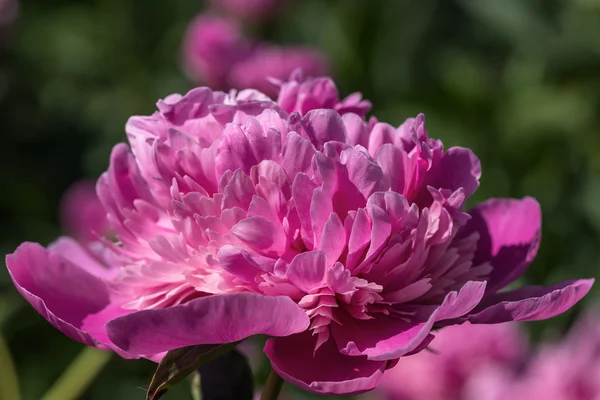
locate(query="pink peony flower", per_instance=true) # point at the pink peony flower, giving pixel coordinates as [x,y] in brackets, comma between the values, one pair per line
[81,212]
[250,9]
[277,63]
[210,47]
[459,354]
[344,241]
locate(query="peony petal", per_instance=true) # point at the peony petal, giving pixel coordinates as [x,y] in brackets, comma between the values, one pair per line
[458,168]
[509,237]
[82,257]
[356,128]
[234,151]
[325,372]
[70,298]
[387,338]
[381,134]
[239,262]
[392,161]
[322,126]
[307,270]
[207,320]
[297,155]
[364,173]
[260,233]
[531,303]
[333,239]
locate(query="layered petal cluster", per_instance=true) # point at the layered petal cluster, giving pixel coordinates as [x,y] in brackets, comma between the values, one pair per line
[345,240]
[216,53]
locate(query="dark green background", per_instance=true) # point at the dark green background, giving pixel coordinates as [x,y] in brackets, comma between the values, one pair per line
[516,81]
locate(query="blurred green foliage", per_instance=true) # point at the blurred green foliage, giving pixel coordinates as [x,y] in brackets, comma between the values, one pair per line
[517,81]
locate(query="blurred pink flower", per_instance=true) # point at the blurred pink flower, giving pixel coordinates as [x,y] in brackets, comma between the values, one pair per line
[344,241]
[458,354]
[82,214]
[9,9]
[491,363]
[250,9]
[211,46]
[275,62]
[561,370]
[215,53]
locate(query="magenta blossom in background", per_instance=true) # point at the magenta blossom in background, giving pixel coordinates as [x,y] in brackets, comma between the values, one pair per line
[478,362]
[559,370]
[277,63]
[343,240]
[458,355]
[9,9]
[210,47]
[82,214]
[215,53]
[250,9]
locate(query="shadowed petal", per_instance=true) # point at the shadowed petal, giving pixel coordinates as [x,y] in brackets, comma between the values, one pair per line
[327,372]
[82,257]
[459,168]
[387,338]
[509,237]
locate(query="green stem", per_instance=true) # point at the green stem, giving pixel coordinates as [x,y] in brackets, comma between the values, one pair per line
[9,384]
[196,386]
[76,378]
[272,386]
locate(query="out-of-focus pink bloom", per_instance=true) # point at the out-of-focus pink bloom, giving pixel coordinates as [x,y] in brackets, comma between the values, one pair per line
[81,212]
[563,370]
[458,355]
[215,53]
[9,9]
[490,363]
[277,63]
[302,94]
[344,241]
[211,46]
[250,9]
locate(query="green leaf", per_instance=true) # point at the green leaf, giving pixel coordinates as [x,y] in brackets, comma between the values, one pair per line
[9,384]
[179,363]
